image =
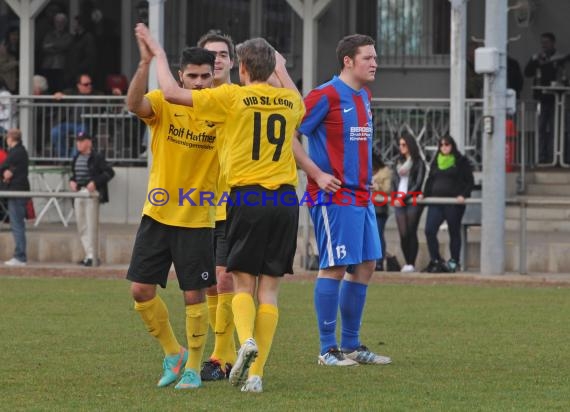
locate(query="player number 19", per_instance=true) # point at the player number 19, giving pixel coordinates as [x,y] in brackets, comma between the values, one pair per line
[275,134]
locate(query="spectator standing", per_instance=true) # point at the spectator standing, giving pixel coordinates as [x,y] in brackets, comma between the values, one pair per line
[90,172]
[14,172]
[55,47]
[515,79]
[450,175]
[545,68]
[381,183]
[407,178]
[6,107]
[82,57]
[473,80]
[9,65]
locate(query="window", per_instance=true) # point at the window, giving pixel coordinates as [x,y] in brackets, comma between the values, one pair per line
[277,25]
[413,32]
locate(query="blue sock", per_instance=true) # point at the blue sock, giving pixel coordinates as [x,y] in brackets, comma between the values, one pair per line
[326,307]
[352,299]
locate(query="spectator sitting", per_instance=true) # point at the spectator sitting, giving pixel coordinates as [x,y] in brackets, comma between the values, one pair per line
[40,85]
[74,125]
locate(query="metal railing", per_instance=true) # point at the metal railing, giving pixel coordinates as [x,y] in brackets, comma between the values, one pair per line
[92,197]
[122,136]
[119,134]
[428,119]
[523,203]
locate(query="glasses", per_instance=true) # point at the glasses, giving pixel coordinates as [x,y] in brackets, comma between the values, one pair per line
[444,144]
[85,84]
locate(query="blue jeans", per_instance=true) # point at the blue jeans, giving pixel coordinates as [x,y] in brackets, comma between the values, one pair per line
[17,212]
[59,137]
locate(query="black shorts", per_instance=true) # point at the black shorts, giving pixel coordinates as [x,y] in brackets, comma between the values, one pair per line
[262,238]
[220,244]
[158,246]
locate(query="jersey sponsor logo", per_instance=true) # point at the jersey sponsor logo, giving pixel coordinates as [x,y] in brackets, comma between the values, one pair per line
[359,133]
[205,275]
[186,137]
[348,110]
[178,115]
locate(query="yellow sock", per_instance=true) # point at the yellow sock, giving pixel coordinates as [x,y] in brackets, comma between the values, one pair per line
[212,308]
[225,346]
[196,332]
[243,308]
[154,314]
[265,326]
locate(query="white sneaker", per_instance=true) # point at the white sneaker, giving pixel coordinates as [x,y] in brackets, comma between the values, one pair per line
[408,269]
[335,357]
[253,384]
[365,356]
[246,355]
[15,262]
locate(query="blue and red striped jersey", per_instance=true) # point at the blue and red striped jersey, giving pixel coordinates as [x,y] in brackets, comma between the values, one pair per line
[338,124]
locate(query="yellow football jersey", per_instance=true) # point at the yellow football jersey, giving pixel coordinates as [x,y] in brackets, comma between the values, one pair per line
[184,173]
[259,125]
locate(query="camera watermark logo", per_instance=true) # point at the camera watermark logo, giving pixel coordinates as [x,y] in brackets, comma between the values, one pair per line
[158,196]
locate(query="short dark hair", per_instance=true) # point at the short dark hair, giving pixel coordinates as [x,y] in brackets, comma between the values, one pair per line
[258,58]
[217,36]
[549,35]
[197,56]
[348,46]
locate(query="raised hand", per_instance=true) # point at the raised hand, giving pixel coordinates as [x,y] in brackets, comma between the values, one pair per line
[143,33]
[146,54]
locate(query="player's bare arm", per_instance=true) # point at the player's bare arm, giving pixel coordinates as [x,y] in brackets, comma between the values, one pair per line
[326,181]
[282,74]
[169,86]
[136,102]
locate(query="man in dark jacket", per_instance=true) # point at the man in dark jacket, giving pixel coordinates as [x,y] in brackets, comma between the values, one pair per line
[546,67]
[90,172]
[14,173]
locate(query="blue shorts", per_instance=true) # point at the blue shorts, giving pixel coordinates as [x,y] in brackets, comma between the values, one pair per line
[346,235]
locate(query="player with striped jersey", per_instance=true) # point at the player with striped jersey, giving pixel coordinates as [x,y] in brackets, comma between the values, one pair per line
[338,124]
